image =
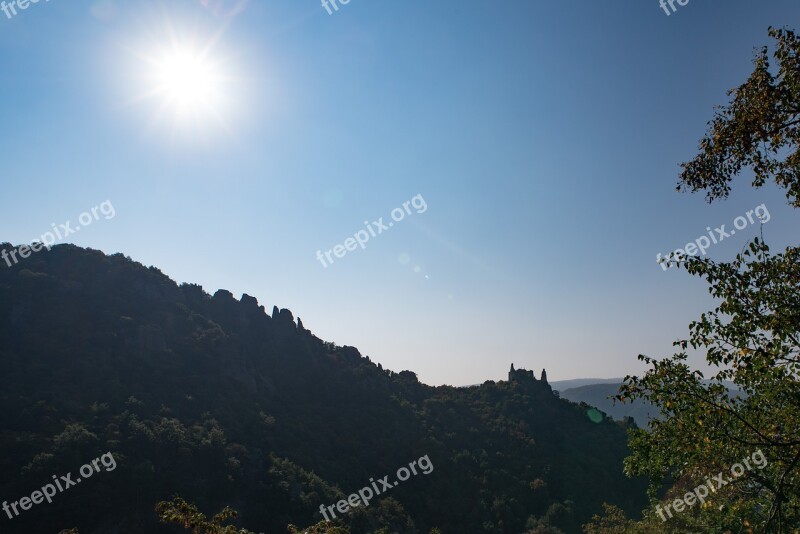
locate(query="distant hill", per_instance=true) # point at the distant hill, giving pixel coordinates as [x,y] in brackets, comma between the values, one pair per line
[597,395]
[563,385]
[218,401]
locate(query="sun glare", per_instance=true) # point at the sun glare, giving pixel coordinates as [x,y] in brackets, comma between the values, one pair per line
[187,82]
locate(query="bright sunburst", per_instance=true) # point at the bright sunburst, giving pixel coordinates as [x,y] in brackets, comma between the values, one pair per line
[185,82]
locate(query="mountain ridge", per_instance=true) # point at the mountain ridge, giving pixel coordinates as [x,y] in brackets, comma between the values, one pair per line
[214,399]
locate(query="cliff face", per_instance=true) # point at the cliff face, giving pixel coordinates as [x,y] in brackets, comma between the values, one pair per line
[214,399]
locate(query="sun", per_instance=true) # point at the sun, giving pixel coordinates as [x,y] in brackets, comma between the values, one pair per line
[184,82]
[187,81]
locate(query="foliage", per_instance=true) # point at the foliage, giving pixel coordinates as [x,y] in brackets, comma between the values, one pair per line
[323,527]
[615,522]
[212,399]
[187,515]
[751,339]
[759,129]
[751,402]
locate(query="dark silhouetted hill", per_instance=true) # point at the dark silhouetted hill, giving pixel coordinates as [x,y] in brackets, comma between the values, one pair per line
[218,401]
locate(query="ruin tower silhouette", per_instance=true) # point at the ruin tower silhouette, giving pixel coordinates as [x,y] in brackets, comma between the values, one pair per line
[520,375]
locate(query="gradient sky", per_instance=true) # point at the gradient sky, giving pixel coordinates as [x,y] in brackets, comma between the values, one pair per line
[545,138]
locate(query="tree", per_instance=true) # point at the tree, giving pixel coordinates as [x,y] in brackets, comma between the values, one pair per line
[750,405]
[187,515]
[708,427]
[615,522]
[323,527]
[759,129]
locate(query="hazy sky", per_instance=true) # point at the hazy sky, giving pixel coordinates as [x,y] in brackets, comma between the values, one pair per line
[543,137]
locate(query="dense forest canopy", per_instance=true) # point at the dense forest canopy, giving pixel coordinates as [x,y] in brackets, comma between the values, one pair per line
[215,400]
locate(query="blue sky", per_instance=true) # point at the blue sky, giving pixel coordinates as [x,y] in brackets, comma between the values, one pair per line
[544,137]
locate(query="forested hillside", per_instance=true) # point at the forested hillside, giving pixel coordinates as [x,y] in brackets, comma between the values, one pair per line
[215,400]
